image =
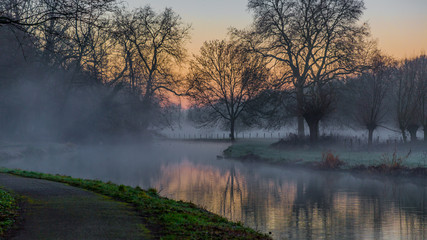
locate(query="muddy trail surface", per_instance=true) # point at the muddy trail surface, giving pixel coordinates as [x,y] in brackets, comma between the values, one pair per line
[54,210]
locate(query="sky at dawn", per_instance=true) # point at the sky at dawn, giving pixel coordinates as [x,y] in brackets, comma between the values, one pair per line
[400,26]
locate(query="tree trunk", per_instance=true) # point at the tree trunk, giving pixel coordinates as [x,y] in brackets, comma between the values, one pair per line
[314,130]
[412,129]
[405,138]
[300,102]
[301,131]
[370,136]
[425,133]
[232,130]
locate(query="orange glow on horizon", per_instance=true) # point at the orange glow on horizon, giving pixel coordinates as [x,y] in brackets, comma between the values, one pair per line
[400,27]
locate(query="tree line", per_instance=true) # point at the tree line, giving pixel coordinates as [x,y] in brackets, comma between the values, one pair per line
[78,68]
[319,62]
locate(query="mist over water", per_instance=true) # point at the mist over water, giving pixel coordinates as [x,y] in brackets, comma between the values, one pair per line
[86,85]
[289,203]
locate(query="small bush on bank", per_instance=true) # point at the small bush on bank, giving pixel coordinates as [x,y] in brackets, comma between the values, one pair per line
[393,160]
[330,161]
[390,162]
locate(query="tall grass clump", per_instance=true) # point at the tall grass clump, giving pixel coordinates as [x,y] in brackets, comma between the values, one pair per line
[330,161]
[393,161]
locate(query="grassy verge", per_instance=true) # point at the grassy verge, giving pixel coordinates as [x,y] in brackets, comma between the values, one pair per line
[165,218]
[8,212]
[264,152]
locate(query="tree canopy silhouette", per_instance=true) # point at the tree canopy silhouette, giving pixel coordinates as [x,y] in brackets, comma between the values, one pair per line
[316,41]
[226,77]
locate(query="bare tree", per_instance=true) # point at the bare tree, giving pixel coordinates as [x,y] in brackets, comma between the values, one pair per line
[318,102]
[80,60]
[67,32]
[152,45]
[369,92]
[30,13]
[316,40]
[409,98]
[422,89]
[88,42]
[225,77]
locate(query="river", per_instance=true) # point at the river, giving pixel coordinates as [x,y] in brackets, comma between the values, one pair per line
[286,203]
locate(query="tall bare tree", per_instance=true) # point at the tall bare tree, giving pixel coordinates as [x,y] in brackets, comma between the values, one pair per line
[153,45]
[369,91]
[89,57]
[27,13]
[422,76]
[225,77]
[88,42]
[65,31]
[409,98]
[317,40]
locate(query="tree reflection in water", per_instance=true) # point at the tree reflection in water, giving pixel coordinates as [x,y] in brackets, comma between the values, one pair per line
[297,204]
[228,202]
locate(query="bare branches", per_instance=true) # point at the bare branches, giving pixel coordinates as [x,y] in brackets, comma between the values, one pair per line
[152,48]
[316,40]
[369,92]
[36,12]
[410,93]
[226,77]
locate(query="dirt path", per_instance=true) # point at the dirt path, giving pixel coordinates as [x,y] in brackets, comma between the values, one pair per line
[58,211]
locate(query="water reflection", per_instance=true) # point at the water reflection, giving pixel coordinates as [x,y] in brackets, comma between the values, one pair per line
[292,204]
[295,204]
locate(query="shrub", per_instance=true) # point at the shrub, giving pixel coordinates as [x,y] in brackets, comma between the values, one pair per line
[393,161]
[330,161]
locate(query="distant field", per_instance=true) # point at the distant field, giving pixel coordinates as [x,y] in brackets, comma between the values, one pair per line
[263,151]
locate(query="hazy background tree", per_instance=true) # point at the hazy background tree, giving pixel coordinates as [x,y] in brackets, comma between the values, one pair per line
[270,109]
[368,93]
[226,77]
[422,76]
[67,74]
[32,13]
[153,47]
[68,34]
[317,41]
[409,95]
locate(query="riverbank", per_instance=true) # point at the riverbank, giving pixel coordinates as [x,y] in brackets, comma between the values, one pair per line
[163,218]
[376,160]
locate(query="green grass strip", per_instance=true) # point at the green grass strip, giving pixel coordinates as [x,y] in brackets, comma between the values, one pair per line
[166,218]
[264,152]
[8,212]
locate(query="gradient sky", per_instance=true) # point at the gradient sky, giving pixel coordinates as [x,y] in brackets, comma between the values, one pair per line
[400,26]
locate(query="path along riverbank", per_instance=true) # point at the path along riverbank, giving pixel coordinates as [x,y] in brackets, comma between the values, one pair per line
[54,210]
[63,207]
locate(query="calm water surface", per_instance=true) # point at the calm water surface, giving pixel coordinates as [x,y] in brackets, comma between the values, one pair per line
[289,203]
